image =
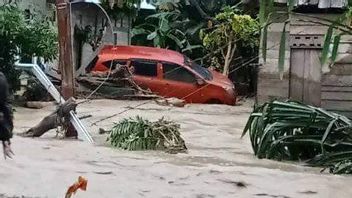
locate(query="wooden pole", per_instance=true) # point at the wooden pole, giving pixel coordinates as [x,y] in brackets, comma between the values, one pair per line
[65,49]
[65,56]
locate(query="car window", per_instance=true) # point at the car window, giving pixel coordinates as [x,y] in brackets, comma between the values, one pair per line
[115,62]
[204,72]
[145,68]
[177,73]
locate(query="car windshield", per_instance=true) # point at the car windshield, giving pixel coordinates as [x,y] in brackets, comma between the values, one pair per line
[204,72]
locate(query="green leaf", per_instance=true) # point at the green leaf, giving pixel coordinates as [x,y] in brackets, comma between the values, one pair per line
[282,51]
[326,46]
[264,41]
[326,133]
[335,48]
[152,35]
[191,47]
[164,25]
[176,40]
[262,11]
[196,28]
[139,31]
[157,41]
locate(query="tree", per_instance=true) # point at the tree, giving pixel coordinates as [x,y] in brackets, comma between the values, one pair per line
[26,38]
[165,30]
[229,30]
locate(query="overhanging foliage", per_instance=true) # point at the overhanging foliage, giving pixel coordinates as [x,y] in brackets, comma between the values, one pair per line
[26,38]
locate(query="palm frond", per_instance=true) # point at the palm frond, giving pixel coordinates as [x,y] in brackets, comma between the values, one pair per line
[294,131]
[141,134]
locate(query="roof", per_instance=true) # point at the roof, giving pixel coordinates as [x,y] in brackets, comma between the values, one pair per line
[319,3]
[139,52]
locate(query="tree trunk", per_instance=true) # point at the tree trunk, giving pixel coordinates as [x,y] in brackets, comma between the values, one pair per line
[227,59]
[61,117]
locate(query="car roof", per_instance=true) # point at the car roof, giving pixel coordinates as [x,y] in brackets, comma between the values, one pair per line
[138,52]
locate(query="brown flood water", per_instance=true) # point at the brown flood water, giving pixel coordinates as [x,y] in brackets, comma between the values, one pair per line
[218,163]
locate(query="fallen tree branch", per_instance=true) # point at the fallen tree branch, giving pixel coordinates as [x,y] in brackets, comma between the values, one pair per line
[59,118]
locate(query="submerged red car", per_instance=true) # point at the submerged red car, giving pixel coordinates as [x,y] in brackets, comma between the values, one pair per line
[169,74]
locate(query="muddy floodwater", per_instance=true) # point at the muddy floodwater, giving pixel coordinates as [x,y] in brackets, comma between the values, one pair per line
[218,163]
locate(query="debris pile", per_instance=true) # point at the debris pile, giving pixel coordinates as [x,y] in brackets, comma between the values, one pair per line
[141,134]
[114,84]
[294,131]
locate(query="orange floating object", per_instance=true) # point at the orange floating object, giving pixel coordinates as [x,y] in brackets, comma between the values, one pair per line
[81,184]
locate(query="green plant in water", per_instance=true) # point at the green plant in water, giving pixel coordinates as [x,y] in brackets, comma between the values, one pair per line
[294,131]
[141,134]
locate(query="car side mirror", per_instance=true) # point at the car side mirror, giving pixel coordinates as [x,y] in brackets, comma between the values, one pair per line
[200,82]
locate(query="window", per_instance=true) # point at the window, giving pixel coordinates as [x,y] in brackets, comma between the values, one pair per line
[145,68]
[116,62]
[177,73]
[204,72]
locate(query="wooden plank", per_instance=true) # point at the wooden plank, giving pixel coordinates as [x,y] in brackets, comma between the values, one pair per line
[337,80]
[345,113]
[336,105]
[344,58]
[340,69]
[297,75]
[312,77]
[336,96]
[335,89]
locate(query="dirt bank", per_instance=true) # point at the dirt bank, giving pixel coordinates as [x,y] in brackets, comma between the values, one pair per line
[219,163]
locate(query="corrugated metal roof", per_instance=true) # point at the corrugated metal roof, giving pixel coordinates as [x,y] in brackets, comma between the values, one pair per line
[319,3]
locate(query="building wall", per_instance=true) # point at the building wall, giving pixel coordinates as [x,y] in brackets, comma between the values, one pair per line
[84,14]
[336,79]
[270,86]
[38,7]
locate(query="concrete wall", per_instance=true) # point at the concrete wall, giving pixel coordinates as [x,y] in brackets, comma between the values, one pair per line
[270,86]
[39,7]
[84,14]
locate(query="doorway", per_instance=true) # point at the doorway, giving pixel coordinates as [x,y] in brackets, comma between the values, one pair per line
[305,76]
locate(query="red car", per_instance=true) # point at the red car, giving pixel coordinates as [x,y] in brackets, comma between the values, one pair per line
[169,73]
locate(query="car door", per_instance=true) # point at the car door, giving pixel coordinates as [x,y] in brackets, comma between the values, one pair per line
[179,82]
[146,75]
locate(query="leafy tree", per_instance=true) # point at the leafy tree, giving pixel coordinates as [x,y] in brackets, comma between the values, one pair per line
[19,36]
[229,31]
[165,30]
